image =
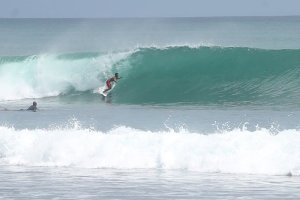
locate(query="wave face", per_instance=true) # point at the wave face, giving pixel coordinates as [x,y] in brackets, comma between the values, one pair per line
[171,75]
[236,151]
[211,75]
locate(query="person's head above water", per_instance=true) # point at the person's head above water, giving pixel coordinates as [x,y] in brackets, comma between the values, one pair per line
[33,107]
[117,75]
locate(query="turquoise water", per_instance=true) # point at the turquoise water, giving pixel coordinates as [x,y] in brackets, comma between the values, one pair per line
[214,99]
[171,75]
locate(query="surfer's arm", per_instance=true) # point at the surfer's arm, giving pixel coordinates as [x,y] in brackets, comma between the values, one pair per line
[117,79]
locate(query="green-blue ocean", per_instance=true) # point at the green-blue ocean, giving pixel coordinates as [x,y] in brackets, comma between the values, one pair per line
[206,108]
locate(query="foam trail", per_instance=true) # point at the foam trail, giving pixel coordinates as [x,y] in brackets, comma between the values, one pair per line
[237,151]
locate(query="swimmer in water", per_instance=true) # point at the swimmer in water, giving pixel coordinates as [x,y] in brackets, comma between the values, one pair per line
[33,107]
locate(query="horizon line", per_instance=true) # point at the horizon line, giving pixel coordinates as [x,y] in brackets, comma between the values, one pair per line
[154,17]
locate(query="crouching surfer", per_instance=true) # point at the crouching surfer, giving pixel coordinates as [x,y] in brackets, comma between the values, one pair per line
[110,81]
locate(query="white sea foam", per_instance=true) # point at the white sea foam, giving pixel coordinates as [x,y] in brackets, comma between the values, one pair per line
[48,75]
[237,151]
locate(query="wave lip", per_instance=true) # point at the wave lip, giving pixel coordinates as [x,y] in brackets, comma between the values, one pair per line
[237,151]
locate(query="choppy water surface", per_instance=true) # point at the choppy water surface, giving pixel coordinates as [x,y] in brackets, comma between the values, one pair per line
[76,183]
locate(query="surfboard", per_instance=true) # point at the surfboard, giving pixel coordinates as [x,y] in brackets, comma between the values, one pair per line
[101,89]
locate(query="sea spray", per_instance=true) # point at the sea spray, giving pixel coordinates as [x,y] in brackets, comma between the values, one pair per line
[52,75]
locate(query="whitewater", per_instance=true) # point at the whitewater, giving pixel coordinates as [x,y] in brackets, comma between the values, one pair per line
[207,108]
[236,151]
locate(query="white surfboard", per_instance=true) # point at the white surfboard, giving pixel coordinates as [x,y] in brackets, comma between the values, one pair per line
[101,89]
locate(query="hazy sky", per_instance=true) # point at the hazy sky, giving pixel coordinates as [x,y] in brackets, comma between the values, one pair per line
[146,8]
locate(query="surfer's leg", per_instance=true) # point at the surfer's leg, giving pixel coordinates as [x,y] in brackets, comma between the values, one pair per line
[106,90]
[108,85]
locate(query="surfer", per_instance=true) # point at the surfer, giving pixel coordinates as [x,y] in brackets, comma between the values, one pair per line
[33,107]
[110,81]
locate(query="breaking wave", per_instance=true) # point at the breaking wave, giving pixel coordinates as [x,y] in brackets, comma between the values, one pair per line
[235,151]
[171,75]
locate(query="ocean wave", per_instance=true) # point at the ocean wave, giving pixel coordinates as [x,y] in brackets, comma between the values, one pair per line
[167,75]
[237,151]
